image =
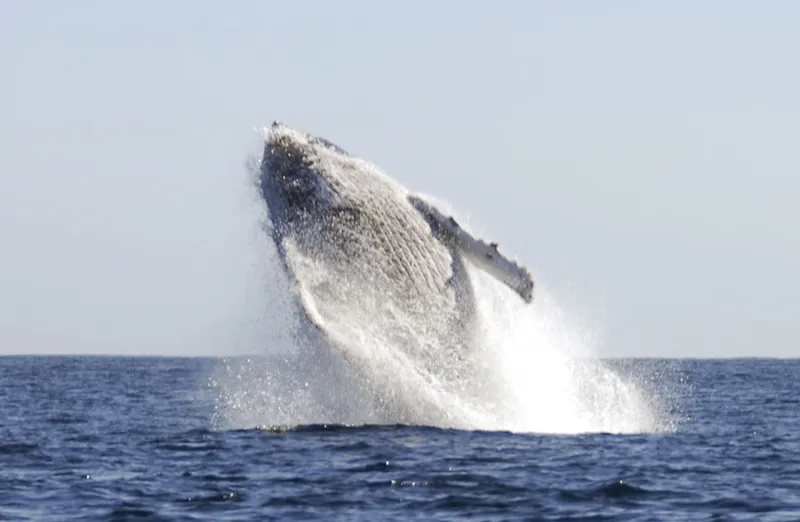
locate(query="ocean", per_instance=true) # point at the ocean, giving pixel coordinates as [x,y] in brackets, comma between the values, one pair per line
[116,438]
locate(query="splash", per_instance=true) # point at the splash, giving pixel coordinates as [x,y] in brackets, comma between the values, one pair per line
[551,381]
[534,371]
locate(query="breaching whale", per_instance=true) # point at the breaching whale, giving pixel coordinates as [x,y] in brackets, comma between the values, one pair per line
[368,259]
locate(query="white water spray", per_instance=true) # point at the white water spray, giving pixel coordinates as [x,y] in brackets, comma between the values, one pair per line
[537,371]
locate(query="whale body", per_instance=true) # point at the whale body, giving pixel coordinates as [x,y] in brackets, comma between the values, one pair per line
[368,259]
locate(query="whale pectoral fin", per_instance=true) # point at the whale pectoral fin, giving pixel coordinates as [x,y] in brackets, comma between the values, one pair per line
[482,255]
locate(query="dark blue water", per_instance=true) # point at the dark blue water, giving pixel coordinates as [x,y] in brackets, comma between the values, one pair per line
[134,439]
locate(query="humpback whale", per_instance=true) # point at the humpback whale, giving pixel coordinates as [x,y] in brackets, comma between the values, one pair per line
[368,259]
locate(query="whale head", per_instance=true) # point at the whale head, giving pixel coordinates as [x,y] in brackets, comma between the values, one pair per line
[299,176]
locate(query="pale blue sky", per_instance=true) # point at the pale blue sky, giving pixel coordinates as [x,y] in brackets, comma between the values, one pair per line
[641,158]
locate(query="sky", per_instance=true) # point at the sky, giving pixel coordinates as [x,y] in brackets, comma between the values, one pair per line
[642,159]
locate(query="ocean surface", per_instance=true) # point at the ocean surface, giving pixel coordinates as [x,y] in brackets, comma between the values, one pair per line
[112,438]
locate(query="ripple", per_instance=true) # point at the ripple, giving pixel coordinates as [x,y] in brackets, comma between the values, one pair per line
[133,511]
[222,496]
[19,448]
[617,490]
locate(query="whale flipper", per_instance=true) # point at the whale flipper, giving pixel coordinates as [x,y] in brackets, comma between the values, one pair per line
[482,255]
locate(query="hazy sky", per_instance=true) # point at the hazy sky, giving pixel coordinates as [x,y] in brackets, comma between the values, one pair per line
[643,159]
